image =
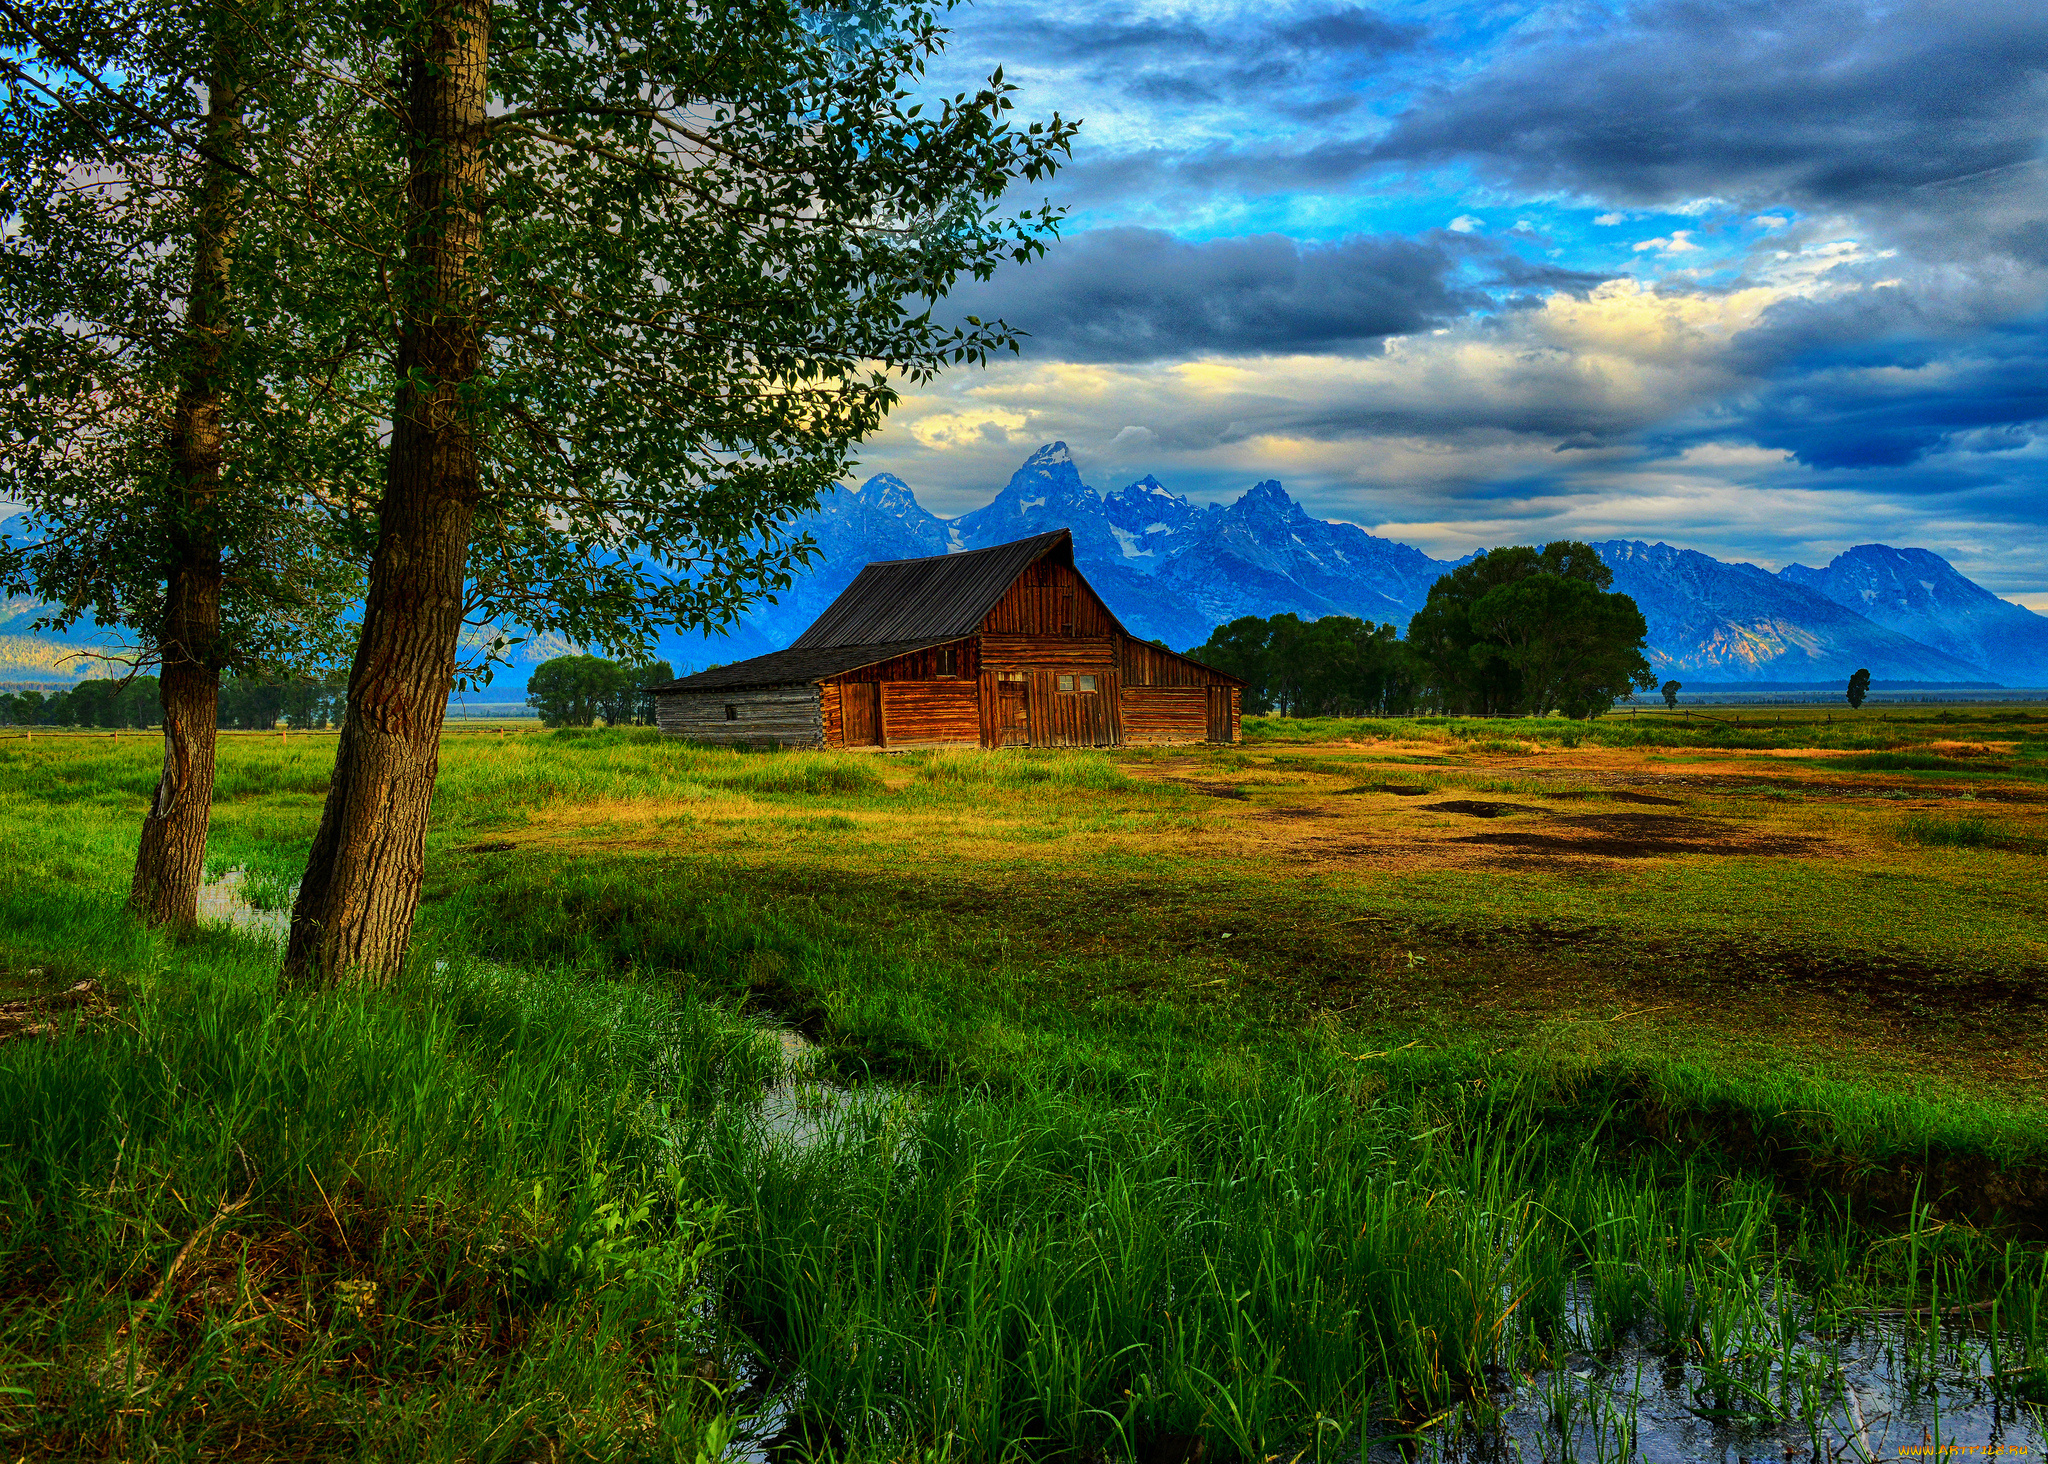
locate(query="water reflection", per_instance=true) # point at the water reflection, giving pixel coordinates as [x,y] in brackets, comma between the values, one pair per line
[225,901]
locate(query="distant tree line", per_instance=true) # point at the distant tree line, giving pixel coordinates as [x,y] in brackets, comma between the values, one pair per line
[247,703]
[1338,666]
[580,691]
[1518,631]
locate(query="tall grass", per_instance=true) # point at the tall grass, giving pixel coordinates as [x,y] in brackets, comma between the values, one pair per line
[1934,832]
[531,1209]
[235,1213]
[1088,771]
[1186,1270]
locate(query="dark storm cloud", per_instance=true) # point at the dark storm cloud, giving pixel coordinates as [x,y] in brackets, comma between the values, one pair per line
[1131,294]
[1303,62]
[1889,405]
[1830,102]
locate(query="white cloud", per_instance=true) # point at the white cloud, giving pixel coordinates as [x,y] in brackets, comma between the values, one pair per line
[1771,221]
[1609,220]
[1679,241]
[1466,223]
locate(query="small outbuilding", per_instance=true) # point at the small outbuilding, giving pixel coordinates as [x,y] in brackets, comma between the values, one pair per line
[1001,647]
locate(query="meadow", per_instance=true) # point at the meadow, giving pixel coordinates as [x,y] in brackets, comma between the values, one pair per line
[1368,1081]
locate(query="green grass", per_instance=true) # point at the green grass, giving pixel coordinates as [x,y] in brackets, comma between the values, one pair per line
[1176,1147]
[1967,833]
[1870,730]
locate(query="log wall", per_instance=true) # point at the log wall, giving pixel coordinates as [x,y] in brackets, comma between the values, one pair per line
[790,716]
[1153,715]
[930,714]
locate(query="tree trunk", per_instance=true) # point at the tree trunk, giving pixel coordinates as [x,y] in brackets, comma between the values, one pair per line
[170,857]
[355,908]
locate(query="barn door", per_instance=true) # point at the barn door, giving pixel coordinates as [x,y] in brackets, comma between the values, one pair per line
[861,708]
[1219,714]
[1013,713]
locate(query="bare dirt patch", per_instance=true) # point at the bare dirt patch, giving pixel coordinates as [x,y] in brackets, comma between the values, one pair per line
[1481,808]
[1644,846]
[41,1016]
[1618,795]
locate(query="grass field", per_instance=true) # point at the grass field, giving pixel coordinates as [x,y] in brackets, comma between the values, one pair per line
[1182,1103]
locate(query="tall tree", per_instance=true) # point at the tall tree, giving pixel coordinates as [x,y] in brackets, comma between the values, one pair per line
[1859,687]
[1525,629]
[161,462]
[659,265]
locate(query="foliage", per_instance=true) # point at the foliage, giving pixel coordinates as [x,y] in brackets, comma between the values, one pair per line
[1670,690]
[116,345]
[130,702]
[577,691]
[1526,630]
[1859,687]
[1333,666]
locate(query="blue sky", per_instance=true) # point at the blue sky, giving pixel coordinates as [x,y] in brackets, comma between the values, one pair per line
[1764,280]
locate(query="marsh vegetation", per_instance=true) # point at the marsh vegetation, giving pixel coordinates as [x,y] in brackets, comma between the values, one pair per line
[1531,1090]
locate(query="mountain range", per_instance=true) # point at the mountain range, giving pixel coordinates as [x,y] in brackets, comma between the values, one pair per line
[1173,571]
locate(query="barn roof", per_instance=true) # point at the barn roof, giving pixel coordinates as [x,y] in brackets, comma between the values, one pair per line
[932,599]
[797,664]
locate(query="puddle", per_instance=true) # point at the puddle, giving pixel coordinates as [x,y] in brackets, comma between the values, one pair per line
[1874,1390]
[224,901]
[802,1105]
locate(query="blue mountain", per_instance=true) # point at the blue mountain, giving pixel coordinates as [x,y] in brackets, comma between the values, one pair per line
[1173,570]
[1735,622]
[1919,594]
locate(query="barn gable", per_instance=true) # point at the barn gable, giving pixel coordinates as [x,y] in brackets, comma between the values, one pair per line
[997,647]
[930,599]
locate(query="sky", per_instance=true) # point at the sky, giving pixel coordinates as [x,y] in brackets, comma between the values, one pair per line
[1762,280]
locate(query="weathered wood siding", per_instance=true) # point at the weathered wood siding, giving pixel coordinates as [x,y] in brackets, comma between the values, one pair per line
[1147,665]
[1049,599]
[1023,652]
[1161,714]
[1074,718]
[860,712]
[788,715]
[930,714]
[930,664]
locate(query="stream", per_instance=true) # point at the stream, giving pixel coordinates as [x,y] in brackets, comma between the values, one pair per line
[1767,1389]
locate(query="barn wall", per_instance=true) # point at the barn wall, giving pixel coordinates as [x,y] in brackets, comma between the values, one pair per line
[1160,714]
[1049,599]
[1148,665]
[1023,652]
[789,715]
[931,714]
[923,665]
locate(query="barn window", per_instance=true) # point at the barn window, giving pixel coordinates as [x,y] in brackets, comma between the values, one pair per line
[1085,683]
[949,660]
[732,713]
[1066,683]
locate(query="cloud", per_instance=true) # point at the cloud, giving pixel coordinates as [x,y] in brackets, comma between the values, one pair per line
[1679,241]
[1675,105]
[1128,294]
[1466,223]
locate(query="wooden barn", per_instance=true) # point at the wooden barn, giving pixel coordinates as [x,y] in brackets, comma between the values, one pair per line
[1002,647]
